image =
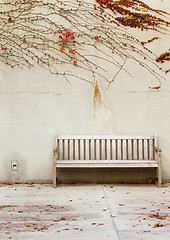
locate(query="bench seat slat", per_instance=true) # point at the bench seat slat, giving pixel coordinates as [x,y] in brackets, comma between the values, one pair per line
[107,163]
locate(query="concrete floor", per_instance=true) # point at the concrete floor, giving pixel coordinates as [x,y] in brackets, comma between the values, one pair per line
[84,212]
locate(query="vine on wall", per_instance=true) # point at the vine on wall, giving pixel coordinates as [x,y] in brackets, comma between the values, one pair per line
[85,36]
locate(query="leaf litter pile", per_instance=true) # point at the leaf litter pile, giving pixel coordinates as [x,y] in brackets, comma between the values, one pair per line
[33,218]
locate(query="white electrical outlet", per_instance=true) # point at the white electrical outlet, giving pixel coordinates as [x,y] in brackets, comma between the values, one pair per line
[14,165]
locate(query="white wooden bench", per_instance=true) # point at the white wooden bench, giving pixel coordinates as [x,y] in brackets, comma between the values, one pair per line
[106,152]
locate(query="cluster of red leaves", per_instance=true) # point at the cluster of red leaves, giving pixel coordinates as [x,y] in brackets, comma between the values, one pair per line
[96,38]
[64,37]
[3,48]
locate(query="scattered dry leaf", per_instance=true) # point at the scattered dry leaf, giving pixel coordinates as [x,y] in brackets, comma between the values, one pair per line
[26,224]
[150,180]
[158,225]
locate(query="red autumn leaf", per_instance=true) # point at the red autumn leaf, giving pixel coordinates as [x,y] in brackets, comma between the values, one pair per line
[155,87]
[62,49]
[71,51]
[73,38]
[96,38]
[149,180]
[9,19]
[60,31]
[75,62]
[64,40]
[60,37]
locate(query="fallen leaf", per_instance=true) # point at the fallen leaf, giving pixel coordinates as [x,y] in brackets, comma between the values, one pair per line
[120,204]
[26,224]
[158,225]
[150,180]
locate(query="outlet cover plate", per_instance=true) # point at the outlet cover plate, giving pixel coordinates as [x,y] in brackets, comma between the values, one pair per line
[14,165]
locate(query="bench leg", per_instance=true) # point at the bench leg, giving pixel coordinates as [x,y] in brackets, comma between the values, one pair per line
[54,177]
[54,170]
[159,176]
[159,170]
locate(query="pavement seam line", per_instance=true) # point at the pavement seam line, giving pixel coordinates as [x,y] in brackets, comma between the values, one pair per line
[113,222]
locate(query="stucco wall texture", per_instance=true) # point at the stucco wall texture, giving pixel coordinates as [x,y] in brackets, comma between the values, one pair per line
[35,106]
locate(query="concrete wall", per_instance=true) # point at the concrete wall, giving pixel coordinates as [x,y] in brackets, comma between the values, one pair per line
[34,106]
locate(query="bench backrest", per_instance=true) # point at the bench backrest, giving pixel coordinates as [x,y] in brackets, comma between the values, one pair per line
[106,147]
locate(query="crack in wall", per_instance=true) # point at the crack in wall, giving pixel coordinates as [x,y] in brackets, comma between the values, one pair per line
[29,92]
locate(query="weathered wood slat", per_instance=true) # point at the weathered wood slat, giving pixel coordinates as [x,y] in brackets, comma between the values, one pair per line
[108,163]
[71,149]
[60,148]
[66,149]
[105,137]
[130,149]
[113,149]
[119,149]
[124,149]
[135,149]
[150,149]
[108,153]
[146,153]
[98,149]
[103,150]
[92,150]
[76,149]
[140,149]
[81,149]
[87,149]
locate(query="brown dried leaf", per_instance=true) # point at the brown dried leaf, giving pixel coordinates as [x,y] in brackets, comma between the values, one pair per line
[158,225]
[149,180]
